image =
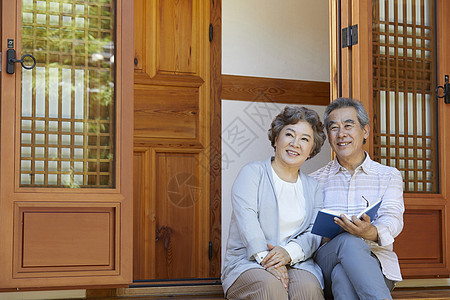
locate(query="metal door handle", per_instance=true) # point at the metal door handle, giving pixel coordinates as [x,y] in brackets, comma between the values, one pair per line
[164,232]
[445,90]
[11,61]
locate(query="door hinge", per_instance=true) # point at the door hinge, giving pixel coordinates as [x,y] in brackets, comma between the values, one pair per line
[210,250]
[350,36]
[211,32]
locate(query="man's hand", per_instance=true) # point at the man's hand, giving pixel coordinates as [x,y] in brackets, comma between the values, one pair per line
[281,274]
[362,228]
[277,257]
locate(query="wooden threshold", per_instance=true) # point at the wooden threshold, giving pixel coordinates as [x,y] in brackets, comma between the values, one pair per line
[185,287]
[424,283]
[421,293]
[166,291]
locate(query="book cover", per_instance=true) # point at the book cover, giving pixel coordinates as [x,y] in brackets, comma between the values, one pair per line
[324,224]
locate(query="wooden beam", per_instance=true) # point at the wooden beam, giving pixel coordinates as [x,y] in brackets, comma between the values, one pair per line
[275,90]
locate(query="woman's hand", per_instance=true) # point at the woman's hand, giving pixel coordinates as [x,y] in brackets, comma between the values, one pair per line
[281,274]
[277,257]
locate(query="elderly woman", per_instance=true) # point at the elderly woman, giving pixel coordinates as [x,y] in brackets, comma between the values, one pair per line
[270,244]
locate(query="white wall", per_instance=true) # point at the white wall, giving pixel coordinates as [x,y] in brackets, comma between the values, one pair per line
[267,38]
[280,39]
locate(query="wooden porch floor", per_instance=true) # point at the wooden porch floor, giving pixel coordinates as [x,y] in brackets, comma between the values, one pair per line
[409,293]
[210,288]
[399,293]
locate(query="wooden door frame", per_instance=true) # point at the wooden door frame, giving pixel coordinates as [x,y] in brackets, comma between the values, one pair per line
[215,138]
[443,34]
[354,61]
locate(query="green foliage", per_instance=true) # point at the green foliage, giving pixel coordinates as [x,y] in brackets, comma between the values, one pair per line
[69,182]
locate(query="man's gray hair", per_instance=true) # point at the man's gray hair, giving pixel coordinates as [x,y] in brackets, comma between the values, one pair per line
[363,117]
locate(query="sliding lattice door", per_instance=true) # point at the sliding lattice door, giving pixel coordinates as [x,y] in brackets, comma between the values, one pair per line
[404,80]
[400,58]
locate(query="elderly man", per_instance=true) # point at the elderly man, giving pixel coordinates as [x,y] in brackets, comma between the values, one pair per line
[359,263]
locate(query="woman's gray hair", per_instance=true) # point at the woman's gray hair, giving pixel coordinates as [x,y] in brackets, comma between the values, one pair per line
[293,115]
[363,117]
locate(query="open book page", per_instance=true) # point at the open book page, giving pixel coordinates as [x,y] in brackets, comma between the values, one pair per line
[335,213]
[367,211]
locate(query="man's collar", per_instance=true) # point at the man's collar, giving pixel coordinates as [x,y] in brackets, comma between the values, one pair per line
[365,166]
[367,163]
[335,166]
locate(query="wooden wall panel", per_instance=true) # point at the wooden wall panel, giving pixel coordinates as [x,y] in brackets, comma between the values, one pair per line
[166,112]
[62,238]
[421,246]
[55,239]
[179,214]
[177,36]
[170,213]
[170,37]
[426,235]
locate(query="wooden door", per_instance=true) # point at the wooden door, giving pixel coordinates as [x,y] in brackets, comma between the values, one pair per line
[401,57]
[172,139]
[66,147]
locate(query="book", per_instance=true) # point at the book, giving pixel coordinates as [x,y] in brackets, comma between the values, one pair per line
[325,226]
